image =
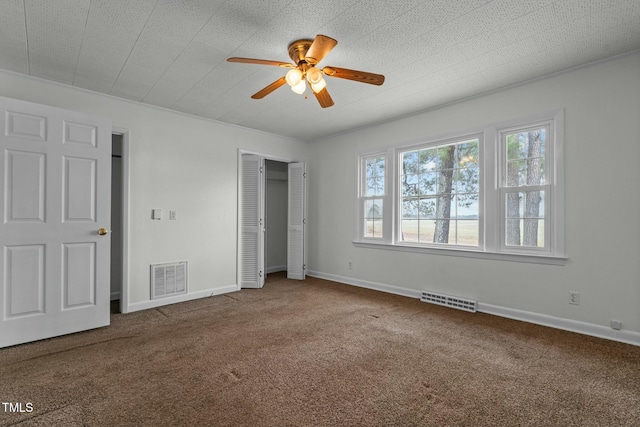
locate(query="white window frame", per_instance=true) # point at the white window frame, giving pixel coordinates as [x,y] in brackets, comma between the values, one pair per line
[492,213]
[387,200]
[398,200]
[547,187]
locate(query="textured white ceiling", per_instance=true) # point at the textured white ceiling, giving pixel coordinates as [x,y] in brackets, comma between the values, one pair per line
[171,53]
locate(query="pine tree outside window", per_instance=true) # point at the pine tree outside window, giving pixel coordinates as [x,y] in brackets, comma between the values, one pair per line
[440,193]
[525,188]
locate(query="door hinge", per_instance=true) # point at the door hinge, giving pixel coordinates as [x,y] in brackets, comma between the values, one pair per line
[304,220]
[304,266]
[261,169]
[304,174]
[260,274]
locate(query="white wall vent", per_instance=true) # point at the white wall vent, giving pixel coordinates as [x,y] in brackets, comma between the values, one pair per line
[449,301]
[168,279]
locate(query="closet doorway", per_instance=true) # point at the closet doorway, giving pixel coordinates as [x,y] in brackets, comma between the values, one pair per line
[271,224]
[119,230]
[275,214]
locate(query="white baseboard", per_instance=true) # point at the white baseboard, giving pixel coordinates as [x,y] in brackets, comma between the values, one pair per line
[628,337]
[584,328]
[115,295]
[405,292]
[144,305]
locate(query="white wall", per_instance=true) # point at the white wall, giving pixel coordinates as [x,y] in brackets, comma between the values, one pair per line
[180,163]
[602,152]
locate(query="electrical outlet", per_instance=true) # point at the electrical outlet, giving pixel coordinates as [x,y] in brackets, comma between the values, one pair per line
[350,265]
[616,324]
[172,215]
[574,297]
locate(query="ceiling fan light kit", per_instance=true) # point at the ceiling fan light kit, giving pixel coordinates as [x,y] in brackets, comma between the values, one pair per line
[299,88]
[314,75]
[317,87]
[306,54]
[293,77]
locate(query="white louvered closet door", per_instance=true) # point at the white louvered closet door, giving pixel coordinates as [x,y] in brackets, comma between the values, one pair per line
[252,222]
[296,222]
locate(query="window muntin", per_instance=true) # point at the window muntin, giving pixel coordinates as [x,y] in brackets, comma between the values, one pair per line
[440,193]
[373,193]
[526,187]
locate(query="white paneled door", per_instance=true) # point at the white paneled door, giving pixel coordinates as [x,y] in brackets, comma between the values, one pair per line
[296,268]
[55,196]
[252,240]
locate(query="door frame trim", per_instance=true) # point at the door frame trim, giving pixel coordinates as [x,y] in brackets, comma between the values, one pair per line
[126,214]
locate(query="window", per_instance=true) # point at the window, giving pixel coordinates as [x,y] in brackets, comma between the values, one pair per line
[373,192]
[439,194]
[524,187]
[497,193]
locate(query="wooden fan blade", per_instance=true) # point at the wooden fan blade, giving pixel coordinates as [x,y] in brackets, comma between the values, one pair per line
[261,62]
[358,76]
[324,98]
[267,90]
[319,48]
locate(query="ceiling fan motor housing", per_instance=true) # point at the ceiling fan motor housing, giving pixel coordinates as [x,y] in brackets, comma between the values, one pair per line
[298,50]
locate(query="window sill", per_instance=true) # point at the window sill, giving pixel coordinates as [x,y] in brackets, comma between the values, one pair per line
[467,253]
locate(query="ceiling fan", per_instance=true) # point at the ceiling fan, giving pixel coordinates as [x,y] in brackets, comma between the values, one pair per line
[306,54]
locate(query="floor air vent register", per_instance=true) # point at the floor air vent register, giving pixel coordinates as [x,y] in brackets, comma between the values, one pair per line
[168,279]
[449,301]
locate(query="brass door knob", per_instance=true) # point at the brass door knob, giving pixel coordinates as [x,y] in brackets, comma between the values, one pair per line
[102,231]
